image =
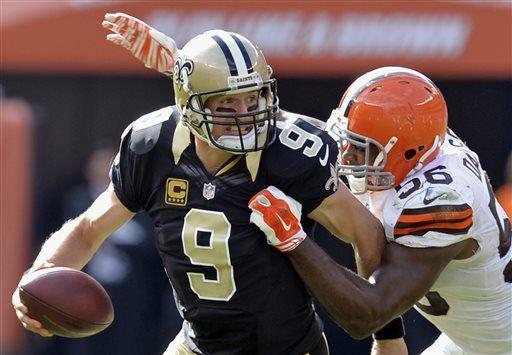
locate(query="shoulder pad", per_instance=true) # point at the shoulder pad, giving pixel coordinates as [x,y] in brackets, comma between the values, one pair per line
[145,131]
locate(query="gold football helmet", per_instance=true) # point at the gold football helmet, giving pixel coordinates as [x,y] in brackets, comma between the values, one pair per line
[224,63]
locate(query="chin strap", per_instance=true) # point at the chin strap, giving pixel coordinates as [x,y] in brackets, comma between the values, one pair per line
[357,185]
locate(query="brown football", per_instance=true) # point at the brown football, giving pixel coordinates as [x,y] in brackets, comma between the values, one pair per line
[67,302]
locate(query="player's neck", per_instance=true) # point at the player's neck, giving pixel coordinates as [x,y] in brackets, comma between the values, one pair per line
[211,158]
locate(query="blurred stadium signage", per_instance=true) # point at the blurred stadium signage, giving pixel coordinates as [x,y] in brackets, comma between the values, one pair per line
[444,39]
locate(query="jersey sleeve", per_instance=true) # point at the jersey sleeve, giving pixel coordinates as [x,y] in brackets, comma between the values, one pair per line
[437,216]
[309,173]
[133,172]
[123,173]
[319,182]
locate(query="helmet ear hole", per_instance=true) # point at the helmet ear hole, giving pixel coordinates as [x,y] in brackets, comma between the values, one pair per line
[409,154]
[420,148]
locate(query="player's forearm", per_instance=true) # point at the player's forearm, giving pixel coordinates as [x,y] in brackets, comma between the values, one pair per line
[77,241]
[69,246]
[353,224]
[347,298]
[368,246]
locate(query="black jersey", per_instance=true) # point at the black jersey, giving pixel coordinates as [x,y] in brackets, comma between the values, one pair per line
[236,294]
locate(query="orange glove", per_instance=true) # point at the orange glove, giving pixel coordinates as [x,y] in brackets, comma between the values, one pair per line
[278,216]
[153,48]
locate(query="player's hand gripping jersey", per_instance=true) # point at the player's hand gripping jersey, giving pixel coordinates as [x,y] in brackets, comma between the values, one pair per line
[235,293]
[448,201]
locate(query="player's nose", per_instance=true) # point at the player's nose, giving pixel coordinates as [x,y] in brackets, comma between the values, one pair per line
[351,156]
[245,109]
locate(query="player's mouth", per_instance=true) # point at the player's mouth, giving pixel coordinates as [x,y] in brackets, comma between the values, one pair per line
[233,130]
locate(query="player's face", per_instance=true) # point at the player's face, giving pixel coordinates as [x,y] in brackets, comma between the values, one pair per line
[355,155]
[233,104]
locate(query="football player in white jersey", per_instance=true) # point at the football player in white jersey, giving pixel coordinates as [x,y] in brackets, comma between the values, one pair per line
[449,240]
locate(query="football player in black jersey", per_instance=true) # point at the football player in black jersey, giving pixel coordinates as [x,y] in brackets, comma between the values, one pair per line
[194,167]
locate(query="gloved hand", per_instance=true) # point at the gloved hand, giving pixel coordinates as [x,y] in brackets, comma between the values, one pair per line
[153,48]
[278,216]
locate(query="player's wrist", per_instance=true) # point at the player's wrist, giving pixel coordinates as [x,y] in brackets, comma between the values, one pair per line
[389,347]
[44,265]
[292,243]
[393,330]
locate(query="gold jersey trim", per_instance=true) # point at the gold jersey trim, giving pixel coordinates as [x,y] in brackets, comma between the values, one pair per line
[180,141]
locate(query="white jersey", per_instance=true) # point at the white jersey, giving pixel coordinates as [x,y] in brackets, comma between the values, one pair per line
[448,201]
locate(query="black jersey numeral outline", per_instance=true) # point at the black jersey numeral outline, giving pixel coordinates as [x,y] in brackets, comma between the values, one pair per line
[433,176]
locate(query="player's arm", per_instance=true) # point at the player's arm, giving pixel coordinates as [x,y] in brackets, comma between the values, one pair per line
[74,244]
[361,307]
[156,50]
[345,217]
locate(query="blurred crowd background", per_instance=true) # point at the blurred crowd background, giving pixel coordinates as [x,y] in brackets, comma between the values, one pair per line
[66,95]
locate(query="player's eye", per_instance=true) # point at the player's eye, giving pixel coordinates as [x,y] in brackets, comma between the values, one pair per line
[252,99]
[225,110]
[252,108]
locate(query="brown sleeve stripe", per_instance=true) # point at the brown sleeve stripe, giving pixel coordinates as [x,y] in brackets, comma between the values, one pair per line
[436,208]
[421,232]
[419,223]
[435,216]
[456,228]
[449,219]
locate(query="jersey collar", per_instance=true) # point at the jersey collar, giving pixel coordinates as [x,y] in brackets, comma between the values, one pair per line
[252,160]
[180,141]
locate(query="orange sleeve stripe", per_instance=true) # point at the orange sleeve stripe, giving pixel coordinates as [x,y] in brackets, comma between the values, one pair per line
[459,226]
[422,232]
[433,216]
[448,219]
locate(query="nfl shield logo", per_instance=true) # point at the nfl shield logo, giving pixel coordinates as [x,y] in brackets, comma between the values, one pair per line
[208,191]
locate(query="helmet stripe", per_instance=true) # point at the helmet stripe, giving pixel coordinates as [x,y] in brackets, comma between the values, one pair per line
[227,53]
[243,50]
[234,51]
